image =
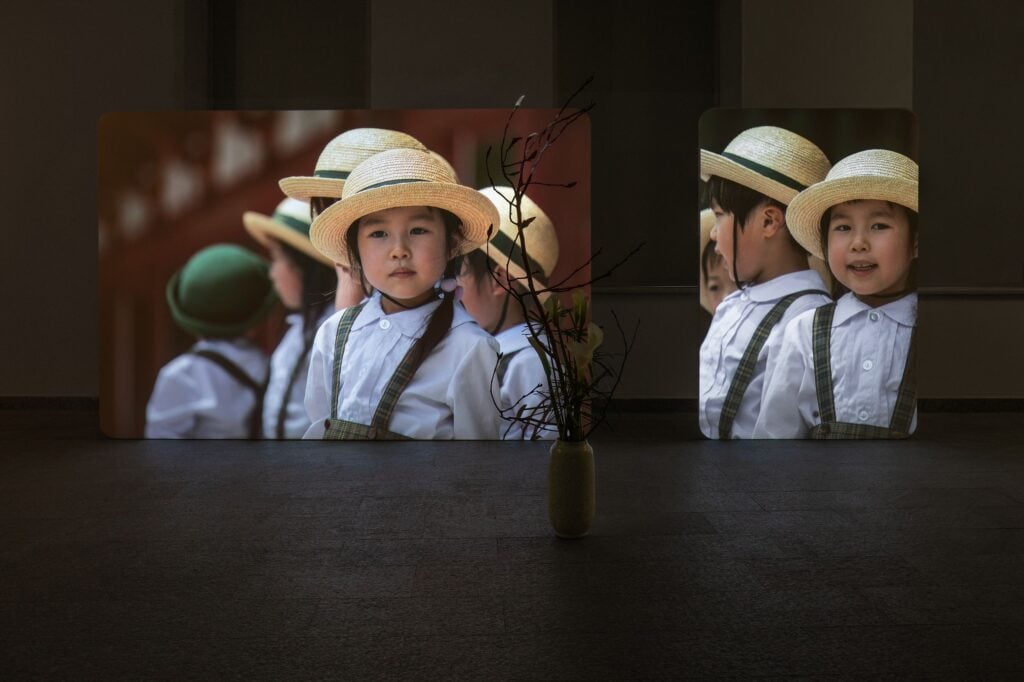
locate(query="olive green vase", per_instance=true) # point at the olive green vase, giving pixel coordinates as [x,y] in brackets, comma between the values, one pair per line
[571,488]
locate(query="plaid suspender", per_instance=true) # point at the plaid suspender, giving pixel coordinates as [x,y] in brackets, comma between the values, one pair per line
[745,372]
[340,340]
[503,362]
[906,397]
[341,429]
[821,336]
[830,428]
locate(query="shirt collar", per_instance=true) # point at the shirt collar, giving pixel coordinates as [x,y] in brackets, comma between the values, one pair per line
[295,319]
[514,338]
[411,323]
[783,285]
[226,347]
[902,311]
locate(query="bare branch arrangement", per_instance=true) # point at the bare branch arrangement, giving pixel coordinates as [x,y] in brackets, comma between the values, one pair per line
[582,376]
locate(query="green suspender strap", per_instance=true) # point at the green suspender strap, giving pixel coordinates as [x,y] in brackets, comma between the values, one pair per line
[255,421]
[745,372]
[340,429]
[829,428]
[503,362]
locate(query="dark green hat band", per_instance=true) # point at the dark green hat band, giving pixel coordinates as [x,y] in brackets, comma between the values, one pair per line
[333,175]
[294,223]
[514,252]
[403,181]
[766,171]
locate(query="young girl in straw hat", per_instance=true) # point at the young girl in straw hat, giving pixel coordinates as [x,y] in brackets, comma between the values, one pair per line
[715,283]
[487,275]
[337,160]
[749,186]
[846,370]
[403,364]
[305,281]
[215,389]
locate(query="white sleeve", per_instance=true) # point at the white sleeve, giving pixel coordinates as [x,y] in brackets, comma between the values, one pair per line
[473,395]
[171,411]
[788,393]
[525,382]
[319,380]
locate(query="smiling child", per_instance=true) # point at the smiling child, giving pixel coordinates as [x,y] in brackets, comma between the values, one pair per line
[846,370]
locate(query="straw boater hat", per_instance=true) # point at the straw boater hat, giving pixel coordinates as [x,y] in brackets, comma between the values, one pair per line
[505,246]
[340,157]
[289,224]
[443,161]
[872,174]
[769,160]
[707,223]
[402,177]
[221,292]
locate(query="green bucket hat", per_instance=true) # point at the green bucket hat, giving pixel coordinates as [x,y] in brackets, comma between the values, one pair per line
[222,291]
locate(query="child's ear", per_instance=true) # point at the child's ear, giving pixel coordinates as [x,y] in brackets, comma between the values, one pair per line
[499,281]
[773,220]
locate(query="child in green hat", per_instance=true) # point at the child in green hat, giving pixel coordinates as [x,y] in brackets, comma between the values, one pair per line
[215,389]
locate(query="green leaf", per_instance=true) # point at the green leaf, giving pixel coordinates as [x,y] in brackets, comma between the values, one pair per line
[595,337]
[579,306]
[552,306]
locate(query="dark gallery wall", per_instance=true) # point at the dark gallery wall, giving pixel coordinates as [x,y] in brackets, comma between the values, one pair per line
[968,87]
[64,64]
[655,71]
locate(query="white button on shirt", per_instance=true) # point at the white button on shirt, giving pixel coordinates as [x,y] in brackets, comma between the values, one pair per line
[282,364]
[790,404]
[524,376]
[448,397]
[731,329]
[195,398]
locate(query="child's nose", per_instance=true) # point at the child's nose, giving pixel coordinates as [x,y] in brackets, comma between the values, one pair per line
[400,248]
[859,241]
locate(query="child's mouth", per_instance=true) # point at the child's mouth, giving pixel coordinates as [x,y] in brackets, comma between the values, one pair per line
[862,268]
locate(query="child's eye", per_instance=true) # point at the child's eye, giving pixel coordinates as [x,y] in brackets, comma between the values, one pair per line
[377,234]
[880,226]
[841,228]
[419,230]
[713,288]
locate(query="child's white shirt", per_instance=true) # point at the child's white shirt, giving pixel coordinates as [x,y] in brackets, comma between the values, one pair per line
[282,364]
[195,398]
[523,375]
[868,350]
[448,397]
[732,328]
